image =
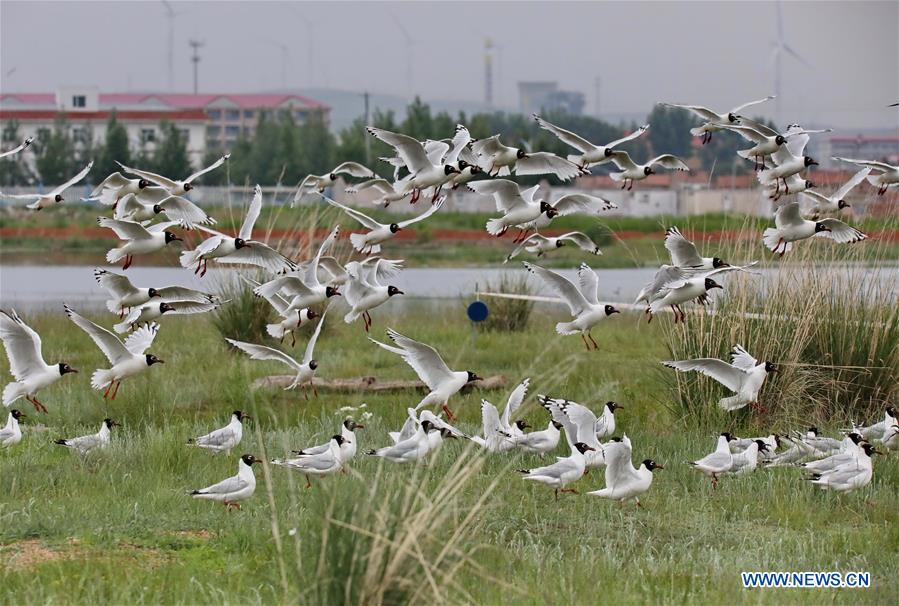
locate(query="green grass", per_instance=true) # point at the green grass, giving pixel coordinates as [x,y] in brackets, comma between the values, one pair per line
[119,528]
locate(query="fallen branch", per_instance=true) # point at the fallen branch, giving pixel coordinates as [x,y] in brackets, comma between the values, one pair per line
[370,384]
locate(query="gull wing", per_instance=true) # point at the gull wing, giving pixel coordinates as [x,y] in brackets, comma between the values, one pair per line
[588,283]
[114,350]
[246,230]
[742,359]
[23,346]
[788,215]
[423,359]
[261,352]
[212,166]
[141,339]
[726,374]
[568,291]
[434,208]
[310,347]
[116,284]
[565,136]
[73,180]
[514,402]
[353,169]
[840,232]
[683,252]
[149,176]
[750,104]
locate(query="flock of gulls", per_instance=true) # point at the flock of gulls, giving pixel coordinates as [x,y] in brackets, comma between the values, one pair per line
[295,290]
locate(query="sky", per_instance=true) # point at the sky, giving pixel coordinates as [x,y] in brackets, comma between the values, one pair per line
[717,54]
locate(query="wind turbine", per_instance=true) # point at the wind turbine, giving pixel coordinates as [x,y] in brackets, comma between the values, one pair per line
[170,59]
[779,48]
[410,43]
[310,35]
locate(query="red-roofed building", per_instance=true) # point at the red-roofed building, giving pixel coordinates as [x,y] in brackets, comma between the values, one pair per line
[209,121]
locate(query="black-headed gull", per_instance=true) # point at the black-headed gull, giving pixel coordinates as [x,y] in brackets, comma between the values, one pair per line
[386,194]
[321,182]
[236,488]
[224,438]
[290,320]
[305,369]
[409,450]
[685,255]
[631,171]
[243,249]
[789,227]
[789,160]
[431,369]
[516,205]
[21,147]
[378,233]
[423,172]
[537,244]
[876,431]
[127,359]
[836,201]
[499,429]
[366,291]
[539,442]
[747,460]
[582,431]
[321,463]
[673,286]
[744,376]
[348,447]
[175,208]
[718,462]
[126,296]
[567,205]
[148,312]
[175,188]
[54,196]
[26,362]
[887,174]
[89,443]
[582,300]
[623,480]
[561,473]
[591,155]
[847,454]
[11,433]
[115,187]
[713,121]
[499,159]
[850,476]
[137,239]
[602,426]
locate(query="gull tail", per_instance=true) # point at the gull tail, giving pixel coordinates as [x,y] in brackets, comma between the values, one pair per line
[115,255]
[732,403]
[576,159]
[358,242]
[744,153]
[188,258]
[113,307]
[616,176]
[698,131]
[567,328]
[275,330]
[101,378]
[495,227]
[12,392]
[772,239]
[351,317]
[122,327]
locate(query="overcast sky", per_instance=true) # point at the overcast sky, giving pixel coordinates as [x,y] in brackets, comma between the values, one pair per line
[712,53]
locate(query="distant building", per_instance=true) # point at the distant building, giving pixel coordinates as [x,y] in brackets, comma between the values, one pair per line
[208,121]
[536,97]
[861,147]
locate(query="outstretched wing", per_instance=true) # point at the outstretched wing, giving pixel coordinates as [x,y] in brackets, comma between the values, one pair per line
[423,359]
[573,203]
[514,402]
[353,169]
[849,185]
[116,284]
[742,359]
[114,350]
[840,232]
[184,211]
[669,161]
[582,241]
[788,215]
[565,136]
[738,108]
[23,346]
[73,180]
[125,230]
[434,208]
[637,133]
[588,283]
[212,166]
[261,352]
[359,216]
[310,347]
[18,148]
[683,252]
[246,230]
[568,291]
[158,179]
[541,163]
[729,376]
[141,339]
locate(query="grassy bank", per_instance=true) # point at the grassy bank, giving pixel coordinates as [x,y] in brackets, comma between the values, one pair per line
[119,528]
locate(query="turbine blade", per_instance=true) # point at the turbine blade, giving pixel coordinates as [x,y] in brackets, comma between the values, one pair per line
[789,50]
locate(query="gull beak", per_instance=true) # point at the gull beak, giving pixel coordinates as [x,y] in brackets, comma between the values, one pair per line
[177,239]
[75,370]
[400,292]
[813,162]
[360,426]
[591,448]
[158,361]
[660,467]
[247,418]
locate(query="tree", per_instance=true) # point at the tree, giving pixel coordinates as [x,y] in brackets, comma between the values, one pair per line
[115,148]
[316,146]
[55,153]
[669,132]
[418,122]
[13,169]
[171,159]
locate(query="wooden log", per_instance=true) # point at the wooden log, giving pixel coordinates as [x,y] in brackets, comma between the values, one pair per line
[371,384]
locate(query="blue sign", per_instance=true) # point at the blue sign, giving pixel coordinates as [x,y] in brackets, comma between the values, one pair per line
[478,312]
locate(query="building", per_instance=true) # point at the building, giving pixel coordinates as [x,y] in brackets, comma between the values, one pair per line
[208,121]
[537,97]
[863,147]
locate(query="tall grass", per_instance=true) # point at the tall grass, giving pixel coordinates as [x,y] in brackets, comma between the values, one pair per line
[819,313]
[509,315]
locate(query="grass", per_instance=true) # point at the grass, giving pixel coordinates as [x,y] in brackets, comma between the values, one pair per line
[119,528]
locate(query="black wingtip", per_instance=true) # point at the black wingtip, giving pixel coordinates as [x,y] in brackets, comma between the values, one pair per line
[195,492]
[190,441]
[524,471]
[60,442]
[371,452]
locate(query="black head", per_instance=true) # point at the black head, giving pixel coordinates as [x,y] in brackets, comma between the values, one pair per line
[560,243]
[855,437]
[394,228]
[58,197]
[716,263]
[332,177]
[610,309]
[239,243]
[393,290]
[188,187]
[732,117]
[313,364]
[338,438]
[331,291]
[352,425]
[771,367]
[472,377]
[869,449]
[152,292]
[891,410]
[608,152]
[843,204]
[249,459]
[613,406]
[241,415]
[170,237]
[427,426]
[813,430]
[164,307]
[17,414]
[728,436]
[463,165]
[449,169]
[582,448]
[142,183]
[447,434]
[522,424]
[110,423]
[651,465]
[780,139]
[761,444]
[819,227]
[520,154]
[647,170]
[65,369]
[556,424]
[151,360]
[810,161]
[809,184]
[710,284]
[476,170]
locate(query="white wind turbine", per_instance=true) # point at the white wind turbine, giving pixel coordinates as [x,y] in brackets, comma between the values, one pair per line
[779,48]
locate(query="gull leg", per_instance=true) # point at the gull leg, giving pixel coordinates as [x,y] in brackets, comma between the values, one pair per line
[108,387]
[637,501]
[715,482]
[631,186]
[308,482]
[116,390]
[584,339]
[293,339]
[571,490]
[592,340]
[648,313]
[37,405]
[205,267]
[305,393]
[314,390]
[624,184]
[449,414]
[557,494]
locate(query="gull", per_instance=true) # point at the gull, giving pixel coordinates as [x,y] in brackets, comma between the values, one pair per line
[887,176]
[561,473]
[685,255]
[879,429]
[42,201]
[138,240]
[242,250]
[747,460]
[713,120]
[149,312]
[794,184]
[539,442]
[789,227]
[591,155]
[412,449]
[423,173]
[537,244]
[890,439]
[766,142]
[569,204]
[11,434]
[442,426]
[494,156]
[95,441]
[319,464]
[115,187]
[673,286]
[601,427]
[126,296]
[176,208]
[236,488]
[225,438]
[797,451]
[26,362]
[384,189]
[516,205]
[824,446]
[623,480]
[838,459]
[302,285]
[379,233]
[305,370]
[348,447]
[414,419]
[127,359]
[582,300]
[631,171]
[577,427]
[365,290]
[744,376]
[321,182]
[719,462]
[290,320]
[849,476]
[175,188]
[21,147]
[788,160]
[772,442]
[431,369]
[498,429]
[836,202]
